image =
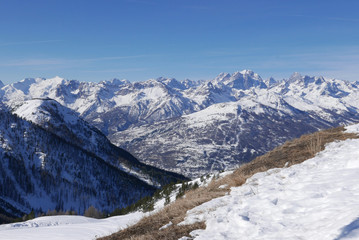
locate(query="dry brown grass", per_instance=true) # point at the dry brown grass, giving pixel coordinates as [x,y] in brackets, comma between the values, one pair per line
[292,152]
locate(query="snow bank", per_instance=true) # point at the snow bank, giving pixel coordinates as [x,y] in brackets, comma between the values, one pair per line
[66,227]
[317,199]
[352,128]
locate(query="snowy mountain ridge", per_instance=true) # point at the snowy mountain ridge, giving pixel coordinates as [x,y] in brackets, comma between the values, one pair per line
[51,159]
[66,124]
[193,127]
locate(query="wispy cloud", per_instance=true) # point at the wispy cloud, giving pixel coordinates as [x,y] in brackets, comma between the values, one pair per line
[117,70]
[4,44]
[323,17]
[32,62]
[62,61]
[110,58]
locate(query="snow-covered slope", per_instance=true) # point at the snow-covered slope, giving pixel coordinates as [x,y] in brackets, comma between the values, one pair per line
[194,127]
[66,124]
[41,171]
[66,227]
[49,164]
[317,199]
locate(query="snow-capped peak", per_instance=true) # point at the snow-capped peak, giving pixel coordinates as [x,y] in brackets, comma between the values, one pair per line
[242,80]
[116,82]
[44,111]
[247,72]
[295,76]
[270,82]
[223,76]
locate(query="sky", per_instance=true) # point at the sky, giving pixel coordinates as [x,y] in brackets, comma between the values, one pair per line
[95,40]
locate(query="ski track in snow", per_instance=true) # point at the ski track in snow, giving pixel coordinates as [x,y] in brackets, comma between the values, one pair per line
[317,199]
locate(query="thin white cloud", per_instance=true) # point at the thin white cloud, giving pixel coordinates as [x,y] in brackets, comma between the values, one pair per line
[117,70]
[4,44]
[109,58]
[61,61]
[32,62]
[323,17]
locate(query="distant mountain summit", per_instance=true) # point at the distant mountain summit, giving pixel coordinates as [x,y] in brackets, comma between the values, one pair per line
[244,80]
[192,127]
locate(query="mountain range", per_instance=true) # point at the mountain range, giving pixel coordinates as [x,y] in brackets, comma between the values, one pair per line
[195,127]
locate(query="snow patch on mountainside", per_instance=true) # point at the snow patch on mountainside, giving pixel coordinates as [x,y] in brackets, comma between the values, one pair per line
[316,199]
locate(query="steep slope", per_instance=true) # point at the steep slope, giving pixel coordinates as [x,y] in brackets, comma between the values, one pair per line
[41,171]
[67,125]
[298,202]
[51,165]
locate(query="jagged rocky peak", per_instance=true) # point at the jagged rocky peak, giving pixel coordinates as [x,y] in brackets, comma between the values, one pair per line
[116,82]
[319,80]
[295,76]
[247,72]
[270,82]
[1,84]
[172,83]
[188,83]
[51,81]
[23,85]
[302,80]
[242,80]
[306,80]
[222,77]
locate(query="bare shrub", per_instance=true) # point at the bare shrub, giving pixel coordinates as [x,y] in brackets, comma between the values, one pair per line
[315,144]
[93,212]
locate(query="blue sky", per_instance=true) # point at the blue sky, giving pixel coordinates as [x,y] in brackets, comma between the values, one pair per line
[92,40]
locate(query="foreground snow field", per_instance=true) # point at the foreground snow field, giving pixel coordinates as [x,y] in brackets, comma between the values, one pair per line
[66,227]
[318,199]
